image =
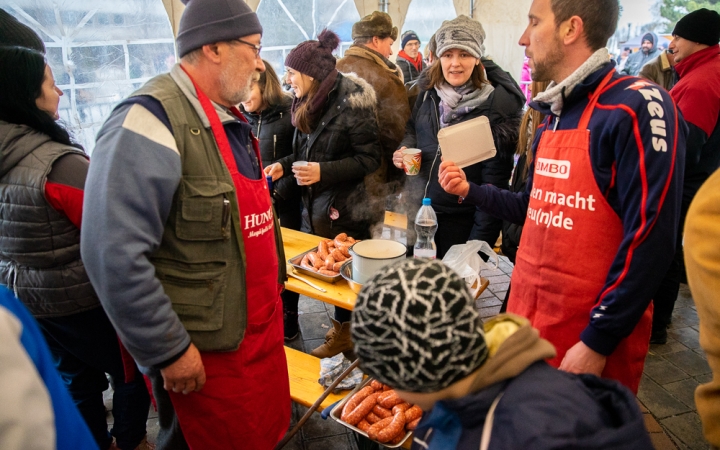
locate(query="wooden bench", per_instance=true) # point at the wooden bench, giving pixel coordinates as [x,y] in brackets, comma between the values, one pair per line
[304,371]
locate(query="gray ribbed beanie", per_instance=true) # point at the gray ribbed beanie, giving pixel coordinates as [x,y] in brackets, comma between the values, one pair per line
[462,32]
[415,327]
[209,21]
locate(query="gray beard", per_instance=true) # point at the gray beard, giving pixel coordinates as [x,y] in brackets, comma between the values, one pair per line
[229,89]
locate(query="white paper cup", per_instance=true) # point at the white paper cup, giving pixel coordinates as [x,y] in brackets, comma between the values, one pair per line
[299,164]
[411,161]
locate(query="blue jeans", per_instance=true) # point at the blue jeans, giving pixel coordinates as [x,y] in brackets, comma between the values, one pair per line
[85,347]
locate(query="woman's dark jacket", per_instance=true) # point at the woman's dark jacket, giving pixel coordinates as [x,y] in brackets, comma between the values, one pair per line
[410,73]
[545,409]
[511,232]
[503,109]
[346,145]
[274,129]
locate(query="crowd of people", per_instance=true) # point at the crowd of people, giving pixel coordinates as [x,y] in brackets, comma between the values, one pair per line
[173,285]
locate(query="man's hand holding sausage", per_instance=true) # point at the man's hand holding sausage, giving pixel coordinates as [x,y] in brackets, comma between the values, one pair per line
[452,179]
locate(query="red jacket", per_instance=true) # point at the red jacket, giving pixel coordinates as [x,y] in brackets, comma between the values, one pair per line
[697,94]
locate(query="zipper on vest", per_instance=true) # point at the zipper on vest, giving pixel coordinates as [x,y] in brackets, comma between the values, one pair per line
[274,146]
[225,216]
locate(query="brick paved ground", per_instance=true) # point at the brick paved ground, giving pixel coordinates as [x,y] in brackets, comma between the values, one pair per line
[672,372]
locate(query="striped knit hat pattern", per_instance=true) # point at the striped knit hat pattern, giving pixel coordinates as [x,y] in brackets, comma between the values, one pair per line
[415,327]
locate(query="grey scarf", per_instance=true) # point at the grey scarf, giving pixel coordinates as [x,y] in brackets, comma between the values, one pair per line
[555,93]
[456,102]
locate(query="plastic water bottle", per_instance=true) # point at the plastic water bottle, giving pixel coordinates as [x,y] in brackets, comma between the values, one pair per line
[426,225]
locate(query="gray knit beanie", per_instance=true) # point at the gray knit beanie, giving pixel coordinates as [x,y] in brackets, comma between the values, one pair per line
[415,327]
[15,33]
[462,32]
[209,21]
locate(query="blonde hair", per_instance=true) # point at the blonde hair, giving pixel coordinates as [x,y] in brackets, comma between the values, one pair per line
[529,125]
[270,87]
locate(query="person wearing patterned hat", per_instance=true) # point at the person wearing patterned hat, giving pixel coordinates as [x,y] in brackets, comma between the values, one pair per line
[416,329]
[337,131]
[409,59]
[463,85]
[184,245]
[373,37]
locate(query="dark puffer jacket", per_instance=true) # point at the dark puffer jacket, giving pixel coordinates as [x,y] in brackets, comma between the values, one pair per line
[346,145]
[503,109]
[410,73]
[273,128]
[568,412]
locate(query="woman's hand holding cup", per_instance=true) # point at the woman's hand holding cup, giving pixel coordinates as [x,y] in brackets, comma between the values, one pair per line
[306,173]
[398,157]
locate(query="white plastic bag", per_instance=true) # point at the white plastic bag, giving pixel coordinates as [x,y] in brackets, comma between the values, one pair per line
[464,259]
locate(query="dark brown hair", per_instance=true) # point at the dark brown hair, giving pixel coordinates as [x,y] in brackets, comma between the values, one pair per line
[270,87]
[600,18]
[436,77]
[531,118]
[301,114]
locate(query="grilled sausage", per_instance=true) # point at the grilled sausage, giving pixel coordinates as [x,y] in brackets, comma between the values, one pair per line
[364,425]
[376,385]
[412,425]
[338,255]
[354,401]
[372,418]
[383,413]
[400,407]
[413,413]
[322,250]
[391,400]
[362,410]
[376,427]
[393,429]
[329,262]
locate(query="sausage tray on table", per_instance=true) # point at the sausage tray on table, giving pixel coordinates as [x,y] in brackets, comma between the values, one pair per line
[295,262]
[337,412]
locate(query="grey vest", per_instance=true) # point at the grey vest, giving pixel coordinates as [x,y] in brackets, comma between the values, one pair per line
[201,259]
[39,246]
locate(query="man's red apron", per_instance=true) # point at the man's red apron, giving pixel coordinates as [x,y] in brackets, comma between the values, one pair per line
[245,403]
[569,241]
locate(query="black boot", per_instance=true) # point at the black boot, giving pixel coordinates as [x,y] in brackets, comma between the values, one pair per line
[291,327]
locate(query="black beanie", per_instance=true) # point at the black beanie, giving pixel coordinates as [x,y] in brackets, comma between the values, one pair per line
[208,21]
[701,26]
[14,33]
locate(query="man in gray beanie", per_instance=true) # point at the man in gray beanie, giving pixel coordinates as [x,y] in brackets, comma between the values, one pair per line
[648,51]
[181,208]
[416,329]
[13,32]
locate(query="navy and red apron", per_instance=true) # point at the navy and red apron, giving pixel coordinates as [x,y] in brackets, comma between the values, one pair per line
[569,241]
[246,399]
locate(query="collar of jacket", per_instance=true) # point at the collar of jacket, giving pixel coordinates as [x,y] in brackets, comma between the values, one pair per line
[513,353]
[186,86]
[579,92]
[697,59]
[367,53]
[664,62]
[271,113]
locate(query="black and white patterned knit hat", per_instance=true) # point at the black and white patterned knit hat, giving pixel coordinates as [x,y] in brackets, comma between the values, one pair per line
[415,327]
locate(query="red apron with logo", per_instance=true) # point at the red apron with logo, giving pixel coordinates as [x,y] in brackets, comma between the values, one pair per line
[245,403]
[569,241]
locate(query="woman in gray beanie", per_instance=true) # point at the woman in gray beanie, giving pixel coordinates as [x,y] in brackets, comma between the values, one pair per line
[337,134]
[458,88]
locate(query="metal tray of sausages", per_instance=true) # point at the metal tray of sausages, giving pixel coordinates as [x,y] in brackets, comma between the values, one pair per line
[337,412]
[295,262]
